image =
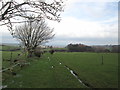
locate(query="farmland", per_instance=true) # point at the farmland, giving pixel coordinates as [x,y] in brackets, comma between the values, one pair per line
[59,44]
[49,71]
[8,47]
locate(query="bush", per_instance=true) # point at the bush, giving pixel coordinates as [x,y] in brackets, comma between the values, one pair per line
[38,53]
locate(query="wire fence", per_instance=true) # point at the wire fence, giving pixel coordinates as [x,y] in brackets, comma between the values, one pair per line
[9,67]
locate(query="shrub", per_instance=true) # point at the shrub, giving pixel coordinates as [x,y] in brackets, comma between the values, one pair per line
[38,53]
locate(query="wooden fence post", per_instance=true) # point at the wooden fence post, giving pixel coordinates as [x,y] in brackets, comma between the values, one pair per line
[102,60]
[11,58]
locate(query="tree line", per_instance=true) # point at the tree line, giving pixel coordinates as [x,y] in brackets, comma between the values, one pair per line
[85,48]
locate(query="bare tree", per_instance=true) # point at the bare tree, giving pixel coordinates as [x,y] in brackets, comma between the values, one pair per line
[18,11]
[32,34]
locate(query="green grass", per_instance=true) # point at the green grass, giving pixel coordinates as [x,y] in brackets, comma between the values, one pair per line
[40,74]
[7,56]
[6,47]
[89,68]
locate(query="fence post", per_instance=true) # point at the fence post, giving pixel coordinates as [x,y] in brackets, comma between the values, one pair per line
[11,58]
[102,60]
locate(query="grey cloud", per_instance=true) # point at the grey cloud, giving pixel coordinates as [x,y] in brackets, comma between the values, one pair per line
[63,41]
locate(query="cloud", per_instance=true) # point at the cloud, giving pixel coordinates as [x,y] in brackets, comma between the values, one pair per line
[77,1]
[64,41]
[111,20]
[91,10]
[73,30]
[91,22]
[72,27]
[5,36]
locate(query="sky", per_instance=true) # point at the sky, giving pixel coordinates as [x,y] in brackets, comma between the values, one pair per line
[90,22]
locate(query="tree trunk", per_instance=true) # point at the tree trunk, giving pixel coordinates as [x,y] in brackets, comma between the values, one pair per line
[30,54]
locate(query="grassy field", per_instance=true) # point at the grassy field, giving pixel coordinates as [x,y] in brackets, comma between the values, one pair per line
[8,47]
[47,72]
[89,69]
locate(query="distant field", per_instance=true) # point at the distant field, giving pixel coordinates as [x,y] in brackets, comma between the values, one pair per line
[47,49]
[7,47]
[47,72]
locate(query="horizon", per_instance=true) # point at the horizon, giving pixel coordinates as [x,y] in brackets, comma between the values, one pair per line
[14,44]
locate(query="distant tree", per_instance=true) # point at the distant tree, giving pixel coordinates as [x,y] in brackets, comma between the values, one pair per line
[99,49]
[106,50]
[115,48]
[79,48]
[19,11]
[52,51]
[32,34]
[89,49]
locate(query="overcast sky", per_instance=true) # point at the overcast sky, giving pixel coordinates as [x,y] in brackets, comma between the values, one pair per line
[90,23]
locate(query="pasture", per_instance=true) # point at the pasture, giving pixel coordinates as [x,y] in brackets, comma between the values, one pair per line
[50,71]
[6,47]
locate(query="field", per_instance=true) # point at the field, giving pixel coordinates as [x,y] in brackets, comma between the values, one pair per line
[6,47]
[64,70]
